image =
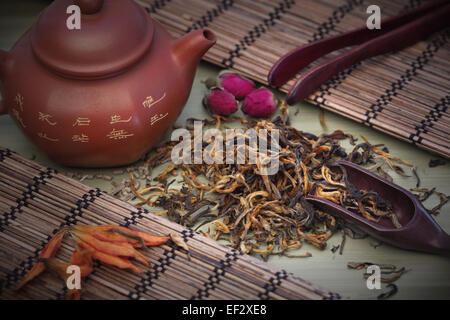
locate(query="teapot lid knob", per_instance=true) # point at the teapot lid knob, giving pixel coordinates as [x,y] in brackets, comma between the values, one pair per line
[89,6]
[113,35]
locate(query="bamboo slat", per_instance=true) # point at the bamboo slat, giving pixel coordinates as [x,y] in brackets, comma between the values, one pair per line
[405,94]
[36,201]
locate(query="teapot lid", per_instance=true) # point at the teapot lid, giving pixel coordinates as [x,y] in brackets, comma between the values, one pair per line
[112,35]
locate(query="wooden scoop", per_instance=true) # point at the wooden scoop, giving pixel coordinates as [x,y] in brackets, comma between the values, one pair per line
[419,231]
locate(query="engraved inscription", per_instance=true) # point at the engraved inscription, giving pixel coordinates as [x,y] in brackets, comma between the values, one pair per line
[19,101]
[46,118]
[16,114]
[44,136]
[118,119]
[149,101]
[119,134]
[80,138]
[82,122]
[157,117]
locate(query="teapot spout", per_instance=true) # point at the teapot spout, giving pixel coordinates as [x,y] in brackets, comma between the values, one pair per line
[189,49]
[5,60]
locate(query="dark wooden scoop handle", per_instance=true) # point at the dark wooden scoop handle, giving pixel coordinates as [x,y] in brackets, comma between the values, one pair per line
[397,39]
[294,61]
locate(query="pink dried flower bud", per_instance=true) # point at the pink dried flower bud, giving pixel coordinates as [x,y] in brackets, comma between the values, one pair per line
[235,84]
[221,102]
[260,103]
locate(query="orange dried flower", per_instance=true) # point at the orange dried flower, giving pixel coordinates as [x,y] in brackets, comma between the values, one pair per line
[110,244]
[48,252]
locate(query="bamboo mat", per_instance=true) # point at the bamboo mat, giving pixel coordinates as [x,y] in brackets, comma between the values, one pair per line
[36,201]
[405,94]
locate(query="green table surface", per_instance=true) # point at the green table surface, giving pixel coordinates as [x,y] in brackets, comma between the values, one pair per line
[429,275]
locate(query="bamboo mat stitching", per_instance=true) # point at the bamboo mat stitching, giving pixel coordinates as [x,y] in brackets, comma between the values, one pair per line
[336,17]
[139,214]
[22,202]
[84,203]
[219,271]
[150,276]
[396,86]
[257,31]
[274,282]
[164,263]
[157,5]
[323,30]
[333,83]
[337,80]
[86,200]
[335,94]
[432,116]
[146,281]
[210,15]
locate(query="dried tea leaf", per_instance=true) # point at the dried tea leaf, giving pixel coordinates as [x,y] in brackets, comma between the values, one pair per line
[220,226]
[437,162]
[399,170]
[364,265]
[322,120]
[414,171]
[384,174]
[175,237]
[393,289]
[258,210]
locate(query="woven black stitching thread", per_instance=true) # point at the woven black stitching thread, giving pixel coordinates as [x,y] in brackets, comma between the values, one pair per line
[164,262]
[336,17]
[151,276]
[420,62]
[83,203]
[187,233]
[274,282]
[139,214]
[27,264]
[158,4]
[323,30]
[332,296]
[29,194]
[5,153]
[338,79]
[210,15]
[219,271]
[257,31]
[433,116]
[333,83]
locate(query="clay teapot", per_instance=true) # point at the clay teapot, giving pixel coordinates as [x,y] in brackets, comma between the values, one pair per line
[103,94]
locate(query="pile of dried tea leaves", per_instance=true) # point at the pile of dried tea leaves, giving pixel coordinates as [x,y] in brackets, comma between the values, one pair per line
[265,214]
